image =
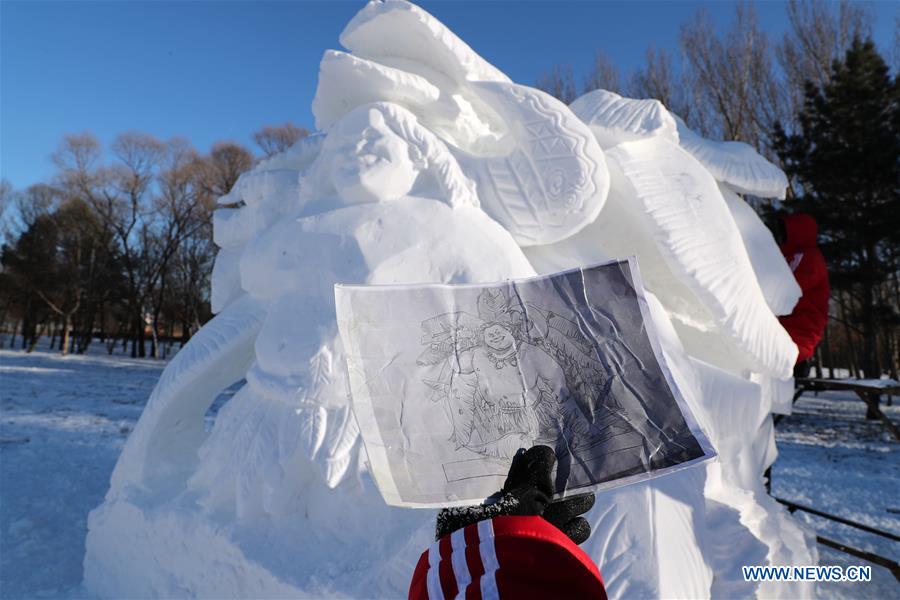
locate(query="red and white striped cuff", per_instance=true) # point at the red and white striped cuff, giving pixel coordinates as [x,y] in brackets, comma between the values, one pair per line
[505,557]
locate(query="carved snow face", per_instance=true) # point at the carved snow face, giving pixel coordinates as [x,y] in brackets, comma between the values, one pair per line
[371,162]
[498,338]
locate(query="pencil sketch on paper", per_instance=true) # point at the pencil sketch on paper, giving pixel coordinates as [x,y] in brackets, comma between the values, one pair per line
[564,361]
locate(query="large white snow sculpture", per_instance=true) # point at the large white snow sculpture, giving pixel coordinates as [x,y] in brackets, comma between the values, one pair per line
[539,170]
[665,208]
[433,166]
[690,247]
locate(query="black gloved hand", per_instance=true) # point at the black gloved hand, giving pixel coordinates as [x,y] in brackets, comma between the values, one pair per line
[527,491]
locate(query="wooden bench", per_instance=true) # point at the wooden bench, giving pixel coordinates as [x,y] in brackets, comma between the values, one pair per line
[868,390]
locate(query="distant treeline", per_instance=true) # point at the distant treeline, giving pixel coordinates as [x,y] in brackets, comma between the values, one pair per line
[119,251]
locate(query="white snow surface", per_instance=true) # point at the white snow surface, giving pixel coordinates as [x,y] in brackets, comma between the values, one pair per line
[433,167]
[373,32]
[735,163]
[64,421]
[689,220]
[615,119]
[774,275]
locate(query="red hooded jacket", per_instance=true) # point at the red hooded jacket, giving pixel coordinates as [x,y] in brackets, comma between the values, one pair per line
[521,558]
[807,323]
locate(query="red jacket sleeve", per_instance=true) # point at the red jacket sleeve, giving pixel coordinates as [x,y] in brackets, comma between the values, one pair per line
[506,557]
[807,322]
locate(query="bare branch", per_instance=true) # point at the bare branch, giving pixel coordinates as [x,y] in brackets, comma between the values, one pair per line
[559,83]
[273,139]
[603,75]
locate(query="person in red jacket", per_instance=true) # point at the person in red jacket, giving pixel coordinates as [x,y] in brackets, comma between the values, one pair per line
[807,323]
[523,546]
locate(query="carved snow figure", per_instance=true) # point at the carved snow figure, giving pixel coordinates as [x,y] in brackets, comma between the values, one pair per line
[434,167]
[539,171]
[714,268]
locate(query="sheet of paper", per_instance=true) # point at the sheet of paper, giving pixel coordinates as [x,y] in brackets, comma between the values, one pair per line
[449,381]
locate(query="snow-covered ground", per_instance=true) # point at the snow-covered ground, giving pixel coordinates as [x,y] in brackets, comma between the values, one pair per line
[65,419]
[831,458]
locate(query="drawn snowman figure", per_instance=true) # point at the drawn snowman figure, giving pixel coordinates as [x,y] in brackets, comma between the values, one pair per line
[504,388]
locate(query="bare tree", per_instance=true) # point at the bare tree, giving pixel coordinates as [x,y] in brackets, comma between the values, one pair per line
[820,33]
[76,159]
[734,77]
[121,197]
[63,284]
[604,75]
[136,254]
[180,212]
[660,79]
[220,170]
[29,256]
[559,83]
[273,139]
[38,200]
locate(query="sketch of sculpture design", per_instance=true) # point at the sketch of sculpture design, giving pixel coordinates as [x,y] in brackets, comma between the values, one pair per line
[507,383]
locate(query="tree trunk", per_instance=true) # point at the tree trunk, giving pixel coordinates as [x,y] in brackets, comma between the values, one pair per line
[12,340]
[26,321]
[34,338]
[103,323]
[869,326]
[869,358]
[87,333]
[829,358]
[154,341]
[64,342]
[142,338]
[893,351]
[851,347]
[818,356]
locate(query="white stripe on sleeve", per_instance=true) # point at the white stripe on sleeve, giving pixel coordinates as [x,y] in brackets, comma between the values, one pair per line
[488,553]
[458,559]
[434,575]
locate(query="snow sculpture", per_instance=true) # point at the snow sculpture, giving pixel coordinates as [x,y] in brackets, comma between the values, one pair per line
[666,208]
[434,167]
[736,164]
[688,217]
[377,151]
[540,173]
[779,287]
[614,119]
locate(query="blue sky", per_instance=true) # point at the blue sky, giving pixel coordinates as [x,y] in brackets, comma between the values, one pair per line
[219,70]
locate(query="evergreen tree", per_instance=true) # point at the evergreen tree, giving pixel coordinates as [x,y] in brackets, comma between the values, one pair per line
[845,164]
